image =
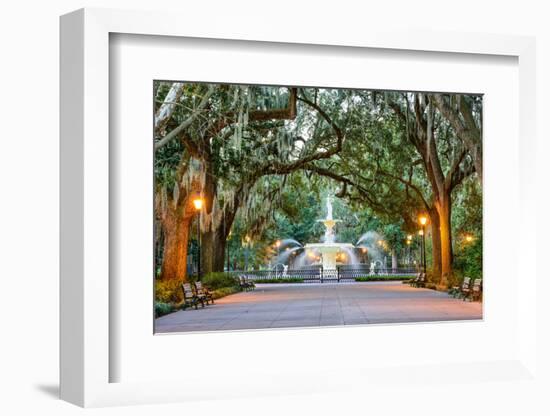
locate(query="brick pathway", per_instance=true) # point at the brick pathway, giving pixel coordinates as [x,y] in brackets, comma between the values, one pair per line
[307,305]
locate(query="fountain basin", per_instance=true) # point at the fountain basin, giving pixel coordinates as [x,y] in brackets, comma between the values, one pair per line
[329,252]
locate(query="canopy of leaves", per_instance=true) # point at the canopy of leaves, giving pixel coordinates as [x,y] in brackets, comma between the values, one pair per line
[275,164]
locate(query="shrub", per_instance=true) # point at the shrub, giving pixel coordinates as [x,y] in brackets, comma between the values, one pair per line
[468,260]
[374,278]
[281,280]
[162,308]
[168,291]
[455,279]
[218,280]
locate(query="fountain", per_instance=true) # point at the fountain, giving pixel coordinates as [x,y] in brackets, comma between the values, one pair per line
[320,258]
[329,254]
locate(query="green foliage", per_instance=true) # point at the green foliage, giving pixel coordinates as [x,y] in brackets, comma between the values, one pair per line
[467,212]
[394,235]
[162,308]
[169,295]
[390,184]
[168,291]
[219,280]
[468,258]
[467,220]
[375,278]
[454,291]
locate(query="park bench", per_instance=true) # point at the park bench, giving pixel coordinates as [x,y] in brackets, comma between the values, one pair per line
[245,283]
[421,282]
[476,290]
[465,289]
[203,293]
[189,297]
[413,281]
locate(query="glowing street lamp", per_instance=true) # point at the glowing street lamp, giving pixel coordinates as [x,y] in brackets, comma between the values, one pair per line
[469,238]
[198,203]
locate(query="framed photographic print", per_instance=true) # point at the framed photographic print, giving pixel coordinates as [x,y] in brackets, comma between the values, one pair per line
[294,212]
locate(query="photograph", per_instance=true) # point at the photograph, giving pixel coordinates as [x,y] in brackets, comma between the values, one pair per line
[296,207]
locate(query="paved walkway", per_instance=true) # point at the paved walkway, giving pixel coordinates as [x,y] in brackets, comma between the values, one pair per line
[307,305]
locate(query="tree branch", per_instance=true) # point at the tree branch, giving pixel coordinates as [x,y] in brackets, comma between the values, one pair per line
[346,181]
[466,130]
[408,183]
[168,106]
[185,124]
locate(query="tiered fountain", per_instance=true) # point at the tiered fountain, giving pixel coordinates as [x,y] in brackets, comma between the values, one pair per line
[330,253]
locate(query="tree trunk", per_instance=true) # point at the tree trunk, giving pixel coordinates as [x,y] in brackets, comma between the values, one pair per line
[219,250]
[213,241]
[159,245]
[176,235]
[176,217]
[213,251]
[443,207]
[215,244]
[207,252]
[436,245]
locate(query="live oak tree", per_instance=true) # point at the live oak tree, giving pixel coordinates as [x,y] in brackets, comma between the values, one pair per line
[403,159]
[193,129]
[446,163]
[237,134]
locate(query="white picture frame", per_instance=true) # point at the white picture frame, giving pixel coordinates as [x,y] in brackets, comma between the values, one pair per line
[86,356]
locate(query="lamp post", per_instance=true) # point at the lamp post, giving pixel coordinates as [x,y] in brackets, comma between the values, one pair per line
[246,244]
[423,220]
[409,241]
[227,244]
[198,202]
[421,234]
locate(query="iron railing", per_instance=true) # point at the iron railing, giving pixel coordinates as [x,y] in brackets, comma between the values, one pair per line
[318,274]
